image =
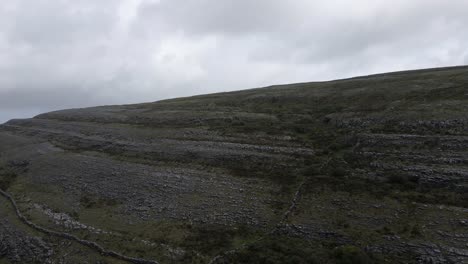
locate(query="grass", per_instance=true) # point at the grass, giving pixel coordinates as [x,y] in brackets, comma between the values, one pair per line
[328,117]
[282,249]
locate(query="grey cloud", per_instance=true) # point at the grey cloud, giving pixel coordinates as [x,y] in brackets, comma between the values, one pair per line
[56,23]
[304,31]
[56,97]
[63,53]
[218,17]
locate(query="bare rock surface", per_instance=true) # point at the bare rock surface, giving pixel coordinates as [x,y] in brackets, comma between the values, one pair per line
[373,168]
[17,246]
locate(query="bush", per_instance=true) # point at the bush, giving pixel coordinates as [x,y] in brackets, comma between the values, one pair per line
[87,201]
[397,179]
[210,239]
[91,201]
[338,172]
[299,129]
[6,179]
[311,171]
[408,182]
[276,250]
[416,231]
[350,255]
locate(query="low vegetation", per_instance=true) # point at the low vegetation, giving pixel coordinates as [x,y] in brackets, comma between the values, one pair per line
[7,178]
[366,170]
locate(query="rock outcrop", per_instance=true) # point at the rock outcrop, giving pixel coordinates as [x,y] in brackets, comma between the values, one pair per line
[372,168]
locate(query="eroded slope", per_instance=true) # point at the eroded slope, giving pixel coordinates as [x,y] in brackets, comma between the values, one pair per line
[370,169]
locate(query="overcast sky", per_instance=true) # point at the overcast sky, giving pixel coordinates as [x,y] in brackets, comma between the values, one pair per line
[58,54]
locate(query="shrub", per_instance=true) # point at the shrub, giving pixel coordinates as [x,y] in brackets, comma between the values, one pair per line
[209,239]
[407,182]
[350,255]
[276,250]
[6,179]
[416,231]
[338,172]
[311,171]
[87,202]
[300,129]
[397,179]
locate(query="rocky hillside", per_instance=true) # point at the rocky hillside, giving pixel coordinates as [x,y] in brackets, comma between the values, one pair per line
[365,170]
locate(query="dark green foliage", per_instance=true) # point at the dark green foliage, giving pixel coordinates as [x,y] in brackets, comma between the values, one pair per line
[342,143]
[86,201]
[432,143]
[277,250]
[350,255]
[300,129]
[90,201]
[416,231]
[311,171]
[338,172]
[276,173]
[397,179]
[386,231]
[211,239]
[405,181]
[7,178]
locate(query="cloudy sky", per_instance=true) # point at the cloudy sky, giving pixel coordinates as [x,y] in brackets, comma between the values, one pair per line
[58,54]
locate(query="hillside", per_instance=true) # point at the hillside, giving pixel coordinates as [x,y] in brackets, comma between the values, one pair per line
[370,169]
